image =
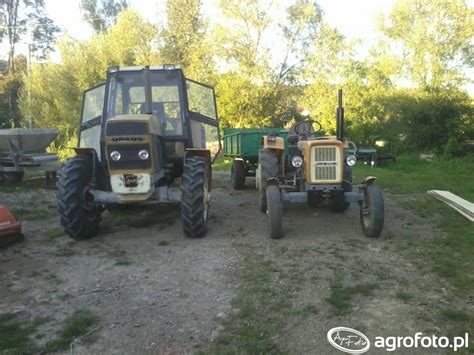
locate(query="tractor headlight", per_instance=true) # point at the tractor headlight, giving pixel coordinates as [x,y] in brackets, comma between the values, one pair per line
[296,161]
[351,160]
[143,154]
[115,156]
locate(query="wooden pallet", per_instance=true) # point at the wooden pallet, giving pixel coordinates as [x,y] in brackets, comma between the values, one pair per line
[461,205]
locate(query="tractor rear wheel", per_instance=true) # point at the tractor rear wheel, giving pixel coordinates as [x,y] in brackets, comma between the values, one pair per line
[268,164]
[274,212]
[80,217]
[372,211]
[237,174]
[195,197]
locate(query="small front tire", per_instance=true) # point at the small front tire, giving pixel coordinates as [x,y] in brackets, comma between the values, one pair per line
[274,212]
[237,174]
[372,211]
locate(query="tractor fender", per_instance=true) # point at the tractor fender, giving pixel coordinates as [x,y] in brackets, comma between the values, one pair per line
[90,152]
[273,182]
[273,142]
[369,180]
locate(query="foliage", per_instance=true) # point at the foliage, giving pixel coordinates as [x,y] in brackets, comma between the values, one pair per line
[56,89]
[257,82]
[102,14]
[435,37]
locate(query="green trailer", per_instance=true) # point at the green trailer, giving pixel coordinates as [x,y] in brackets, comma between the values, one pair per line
[242,145]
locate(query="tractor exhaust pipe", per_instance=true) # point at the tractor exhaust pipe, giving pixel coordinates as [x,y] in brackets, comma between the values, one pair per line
[340,117]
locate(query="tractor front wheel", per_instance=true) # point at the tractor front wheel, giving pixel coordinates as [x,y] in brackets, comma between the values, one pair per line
[274,212]
[237,174]
[372,211]
[268,165]
[194,197]
[80,217]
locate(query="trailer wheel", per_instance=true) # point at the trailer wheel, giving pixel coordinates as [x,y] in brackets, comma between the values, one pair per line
[274,212]
[14,177]
[372,211]
[195,197]
[237,174]
[268,164]
[80,217]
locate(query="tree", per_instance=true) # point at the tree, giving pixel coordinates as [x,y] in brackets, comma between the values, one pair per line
[101,14]
[57,88]
[435,37]
[267,78]
[183,38]
[16,17]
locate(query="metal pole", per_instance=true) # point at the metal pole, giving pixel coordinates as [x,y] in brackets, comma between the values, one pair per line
[28,60]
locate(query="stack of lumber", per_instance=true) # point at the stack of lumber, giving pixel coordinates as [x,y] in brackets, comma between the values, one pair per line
[461,205]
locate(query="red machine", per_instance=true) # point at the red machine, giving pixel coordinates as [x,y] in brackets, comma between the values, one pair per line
[10,229]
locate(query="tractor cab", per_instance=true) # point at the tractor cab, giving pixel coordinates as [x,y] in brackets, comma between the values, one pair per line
[139,132]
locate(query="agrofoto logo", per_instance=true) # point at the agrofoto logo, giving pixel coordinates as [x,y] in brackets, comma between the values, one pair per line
[348,340]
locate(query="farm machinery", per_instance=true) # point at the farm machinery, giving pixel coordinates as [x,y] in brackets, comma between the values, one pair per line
[243,145]
[148,135]
[318,172]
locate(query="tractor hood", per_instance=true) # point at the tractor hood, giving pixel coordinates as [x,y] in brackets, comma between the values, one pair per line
[139,124]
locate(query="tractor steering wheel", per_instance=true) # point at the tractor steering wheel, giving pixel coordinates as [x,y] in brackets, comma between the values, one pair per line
[306,128]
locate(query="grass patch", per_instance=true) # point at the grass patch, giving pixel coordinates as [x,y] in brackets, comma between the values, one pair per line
[260,306]
[341,296]
[29,183]
[78,325]
[449,255]
[54,233]
[15,334]
[222,164]
[163,243]
[404,296]
[455,315]
[64,250]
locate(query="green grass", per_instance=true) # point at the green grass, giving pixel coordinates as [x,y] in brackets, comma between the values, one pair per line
[450,255]
[163,243]
[29,183]
[222,164]
[260,306]
[76,326]
[340,297]
[54,233]
[15,335]
[455,315]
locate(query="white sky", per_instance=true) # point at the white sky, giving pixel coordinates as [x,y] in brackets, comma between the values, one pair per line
[353,18]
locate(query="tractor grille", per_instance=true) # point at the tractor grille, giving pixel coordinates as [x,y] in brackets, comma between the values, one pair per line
[129,159]
[326,164]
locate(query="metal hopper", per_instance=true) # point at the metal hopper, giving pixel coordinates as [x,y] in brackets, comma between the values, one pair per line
[23,140]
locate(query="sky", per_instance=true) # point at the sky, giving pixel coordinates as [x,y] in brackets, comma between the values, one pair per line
[355,19]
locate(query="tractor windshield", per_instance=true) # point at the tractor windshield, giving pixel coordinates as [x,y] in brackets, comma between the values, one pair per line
[127,96]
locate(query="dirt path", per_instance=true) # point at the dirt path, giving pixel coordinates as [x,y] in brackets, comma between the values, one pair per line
[155,291]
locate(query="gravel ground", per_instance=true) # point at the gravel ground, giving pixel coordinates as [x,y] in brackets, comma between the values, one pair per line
[156,291]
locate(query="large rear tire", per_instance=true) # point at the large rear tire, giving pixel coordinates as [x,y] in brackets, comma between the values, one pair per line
[80,217]
[268,163]
[195,197]
[274,212]
[372,211]
[237,174]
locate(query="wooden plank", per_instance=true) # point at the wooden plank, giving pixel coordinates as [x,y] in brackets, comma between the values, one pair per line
[459,204]
[452,199]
